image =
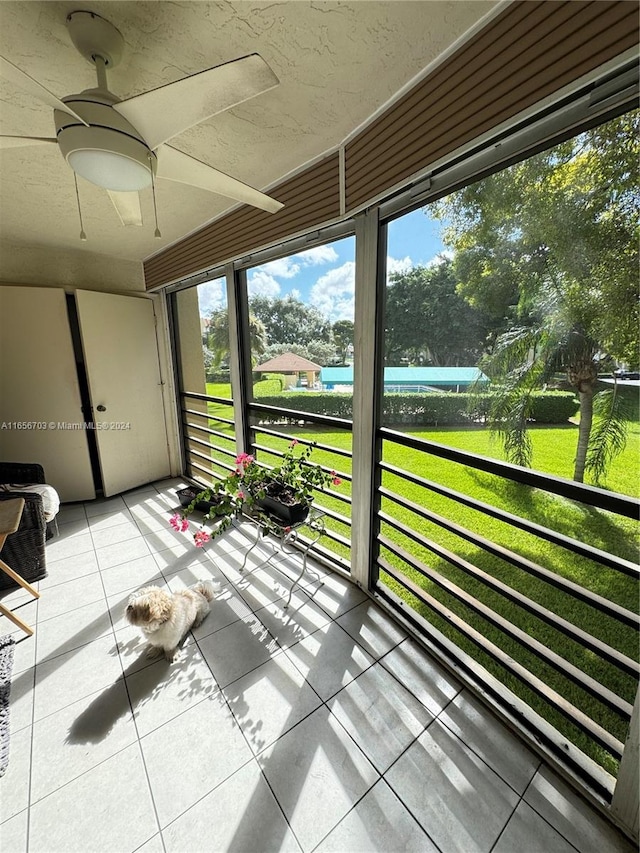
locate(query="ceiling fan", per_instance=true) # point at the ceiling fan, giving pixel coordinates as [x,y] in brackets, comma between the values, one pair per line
[121,145]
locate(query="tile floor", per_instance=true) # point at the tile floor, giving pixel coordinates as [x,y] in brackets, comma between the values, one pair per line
[322,727]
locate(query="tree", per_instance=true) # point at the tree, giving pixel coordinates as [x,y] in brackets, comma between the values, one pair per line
[549,248]
[218,338]
[289,321]
[342,331]
[319,352]
[428,321]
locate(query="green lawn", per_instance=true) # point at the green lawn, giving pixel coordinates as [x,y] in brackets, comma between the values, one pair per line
[553,451]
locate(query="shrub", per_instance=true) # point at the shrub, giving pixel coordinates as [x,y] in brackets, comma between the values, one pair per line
[444,409]
[315,402]
[218,377]
[554,407]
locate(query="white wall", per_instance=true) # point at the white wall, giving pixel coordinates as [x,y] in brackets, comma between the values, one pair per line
[50,267]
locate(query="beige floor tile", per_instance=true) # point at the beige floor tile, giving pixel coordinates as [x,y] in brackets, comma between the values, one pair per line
[108,809]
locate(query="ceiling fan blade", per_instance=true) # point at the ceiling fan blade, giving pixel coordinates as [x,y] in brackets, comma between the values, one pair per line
[127,206]
[162,113]
[22,141]
[11,72]
[176,166]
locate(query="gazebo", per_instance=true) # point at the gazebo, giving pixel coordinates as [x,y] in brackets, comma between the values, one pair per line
[292,365]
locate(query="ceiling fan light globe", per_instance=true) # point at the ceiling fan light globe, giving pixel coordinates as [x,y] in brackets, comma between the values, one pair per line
[111,157]
[110,170]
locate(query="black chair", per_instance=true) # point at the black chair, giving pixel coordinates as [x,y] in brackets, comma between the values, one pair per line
[24,549]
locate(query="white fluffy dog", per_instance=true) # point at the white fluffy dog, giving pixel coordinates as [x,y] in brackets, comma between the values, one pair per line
[164,617]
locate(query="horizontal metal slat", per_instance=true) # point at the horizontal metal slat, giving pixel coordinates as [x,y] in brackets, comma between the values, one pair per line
[285,437]
[607,697]
[213,432]
[611,501]
[335,515]
[615,657]
[209,398]
[209,416]
[293,414]
[549,535]
[210,474]
[600,603]
[209,446]
[577,717]
[212,460]
[207,430]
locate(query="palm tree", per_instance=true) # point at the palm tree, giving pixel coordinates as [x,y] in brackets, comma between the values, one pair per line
[528,357]
[218,338]
[548,247]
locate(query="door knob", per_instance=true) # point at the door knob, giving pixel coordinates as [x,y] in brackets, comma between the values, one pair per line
[102,408]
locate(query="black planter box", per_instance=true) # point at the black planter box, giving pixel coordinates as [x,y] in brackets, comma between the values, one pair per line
[187,495]
[288,513]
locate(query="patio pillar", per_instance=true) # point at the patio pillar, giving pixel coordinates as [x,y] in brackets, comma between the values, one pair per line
[239,354]
[367,370]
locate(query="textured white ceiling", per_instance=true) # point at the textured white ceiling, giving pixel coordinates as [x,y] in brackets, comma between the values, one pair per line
[337,62]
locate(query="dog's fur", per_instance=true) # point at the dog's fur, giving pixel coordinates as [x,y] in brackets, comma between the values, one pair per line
[164,618]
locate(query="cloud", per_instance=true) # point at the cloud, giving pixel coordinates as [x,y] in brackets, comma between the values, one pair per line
[333,292]
[261,283]
[266,275]
[282,267]
[400,265]
[440,258]
[317,255]
[211,296]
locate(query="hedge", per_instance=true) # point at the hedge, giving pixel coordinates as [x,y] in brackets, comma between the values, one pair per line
[554,407]
[315,402]
[218,377]
[549,407]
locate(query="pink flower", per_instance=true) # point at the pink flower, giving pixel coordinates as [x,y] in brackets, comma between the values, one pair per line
[294,441]
[241,495]
[201,537]
[243,460]
[179,522]
[336,481]
[287,530]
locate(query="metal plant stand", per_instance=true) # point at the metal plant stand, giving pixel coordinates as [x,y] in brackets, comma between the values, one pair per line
[287,535]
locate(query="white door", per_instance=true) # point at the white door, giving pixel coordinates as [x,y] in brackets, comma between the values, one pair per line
[121,358]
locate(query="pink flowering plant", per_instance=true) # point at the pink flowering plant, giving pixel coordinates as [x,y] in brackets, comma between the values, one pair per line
[223,508]
[292,482]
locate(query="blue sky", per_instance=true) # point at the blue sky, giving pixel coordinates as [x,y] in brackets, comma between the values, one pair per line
[324,275]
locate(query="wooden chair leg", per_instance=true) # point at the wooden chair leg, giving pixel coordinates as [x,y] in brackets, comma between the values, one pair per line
[16,619]
[20,580]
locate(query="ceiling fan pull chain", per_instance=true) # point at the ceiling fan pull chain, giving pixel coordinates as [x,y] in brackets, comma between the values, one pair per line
[156,233]
[83,236]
